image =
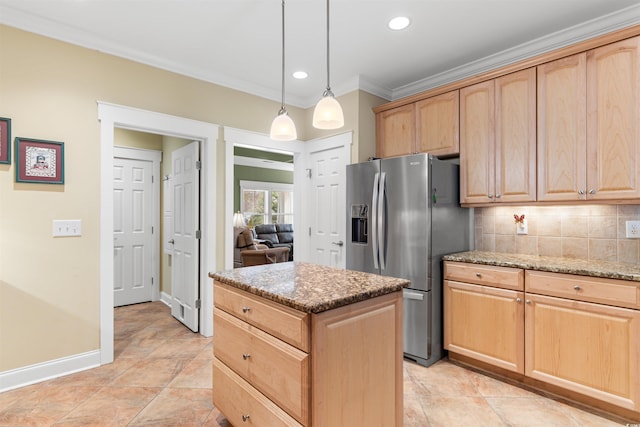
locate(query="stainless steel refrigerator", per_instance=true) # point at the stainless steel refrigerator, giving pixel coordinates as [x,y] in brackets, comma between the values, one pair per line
[403,215]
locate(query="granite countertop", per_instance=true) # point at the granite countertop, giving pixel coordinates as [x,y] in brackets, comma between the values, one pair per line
[605,269]
[309,287]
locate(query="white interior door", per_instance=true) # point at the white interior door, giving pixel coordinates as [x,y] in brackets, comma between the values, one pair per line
[327,162]
[185,183]
[132,231]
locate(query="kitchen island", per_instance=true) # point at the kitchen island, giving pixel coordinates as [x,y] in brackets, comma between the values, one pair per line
[299,344]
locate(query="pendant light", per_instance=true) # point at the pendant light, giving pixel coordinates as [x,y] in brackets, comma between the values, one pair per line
[282,127]
[328,112]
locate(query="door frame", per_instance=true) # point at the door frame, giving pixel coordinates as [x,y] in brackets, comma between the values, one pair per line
[155,157]
[245,138]
[110,117]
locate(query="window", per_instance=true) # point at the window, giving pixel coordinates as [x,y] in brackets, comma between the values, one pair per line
[266,202]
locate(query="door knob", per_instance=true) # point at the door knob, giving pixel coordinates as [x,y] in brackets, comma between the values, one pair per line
[339,243]
[172,241]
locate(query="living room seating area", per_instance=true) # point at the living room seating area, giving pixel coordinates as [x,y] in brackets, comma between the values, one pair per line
[267,243]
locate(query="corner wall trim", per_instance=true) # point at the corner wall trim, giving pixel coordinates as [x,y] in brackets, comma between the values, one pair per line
[28,375]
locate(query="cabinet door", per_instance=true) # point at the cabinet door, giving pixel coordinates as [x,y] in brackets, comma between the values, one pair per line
[515,164]
[562,129]
[477,143]
[613,134]
[485,323]
[592,349]
[438,124]
[396,131]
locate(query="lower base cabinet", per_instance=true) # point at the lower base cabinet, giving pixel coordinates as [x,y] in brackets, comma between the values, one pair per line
[275,366]
[574,333]
[592,349]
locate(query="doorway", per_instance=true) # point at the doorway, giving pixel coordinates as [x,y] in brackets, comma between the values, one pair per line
[113,116]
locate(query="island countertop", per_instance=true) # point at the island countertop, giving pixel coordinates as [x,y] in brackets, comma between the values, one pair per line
[604,269]
[307,287]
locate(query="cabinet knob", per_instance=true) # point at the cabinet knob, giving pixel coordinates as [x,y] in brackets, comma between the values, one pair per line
[577,288]
[528,301]
[478,275]
[246,309]
[245,356]
[490,196]
[518,300]
[498,196]
[581,192]
[592,191]
[245,418]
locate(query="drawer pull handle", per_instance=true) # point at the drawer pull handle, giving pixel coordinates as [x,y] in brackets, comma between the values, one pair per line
[245,417]
[246,309]
[518,300]
[577,288]
[245,356]
[478,275]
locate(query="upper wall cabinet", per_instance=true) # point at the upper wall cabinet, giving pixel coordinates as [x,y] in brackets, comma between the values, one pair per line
[613,121]
[427,126]
[562,129]
[438,124]
[396,131]
[588,136]
[498,140]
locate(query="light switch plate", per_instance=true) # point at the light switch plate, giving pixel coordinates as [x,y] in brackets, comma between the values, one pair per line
[633,229]
[67,227]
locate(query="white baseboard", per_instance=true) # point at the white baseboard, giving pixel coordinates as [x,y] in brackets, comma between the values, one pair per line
[28,375]
[165,298]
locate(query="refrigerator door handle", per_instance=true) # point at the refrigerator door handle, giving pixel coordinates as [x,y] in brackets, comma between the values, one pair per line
[374,220]
[413,295]
[381,220]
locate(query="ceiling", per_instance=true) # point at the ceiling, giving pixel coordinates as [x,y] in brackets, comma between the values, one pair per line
[237,43]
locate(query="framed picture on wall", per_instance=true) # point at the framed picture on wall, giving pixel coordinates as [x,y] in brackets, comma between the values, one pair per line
[39,161]
[5,140]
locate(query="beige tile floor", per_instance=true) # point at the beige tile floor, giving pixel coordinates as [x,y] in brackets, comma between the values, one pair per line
[161,376]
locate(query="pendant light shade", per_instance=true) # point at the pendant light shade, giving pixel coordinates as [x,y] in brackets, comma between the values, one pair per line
[328,112]
[282,127]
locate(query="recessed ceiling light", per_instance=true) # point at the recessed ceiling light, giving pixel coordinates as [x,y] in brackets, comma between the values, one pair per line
[300,75]
[399,23]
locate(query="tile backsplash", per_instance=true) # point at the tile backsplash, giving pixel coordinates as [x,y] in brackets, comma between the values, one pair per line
[593,232]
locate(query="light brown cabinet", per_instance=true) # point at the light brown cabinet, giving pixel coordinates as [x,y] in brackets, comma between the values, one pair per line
[592,349]
[396,131]
[427,126]
[484,314]
[581,334]
[498,140]
[588,133]
[276,366]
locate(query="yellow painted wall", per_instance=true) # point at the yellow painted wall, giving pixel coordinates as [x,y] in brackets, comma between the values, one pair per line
[49,287]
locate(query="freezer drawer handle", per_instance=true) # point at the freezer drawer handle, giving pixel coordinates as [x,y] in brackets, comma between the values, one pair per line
[414,295]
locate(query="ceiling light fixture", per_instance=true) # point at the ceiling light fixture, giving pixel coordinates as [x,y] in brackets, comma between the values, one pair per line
[300,75]
[399,23]
[328,112]
[282,127]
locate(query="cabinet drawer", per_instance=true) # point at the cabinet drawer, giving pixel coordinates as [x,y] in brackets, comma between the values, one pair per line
[236,399]
[291,326]
[275,368]
[489,275]
[621,293]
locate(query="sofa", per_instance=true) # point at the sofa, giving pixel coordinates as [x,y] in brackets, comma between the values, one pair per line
[247,251]
[276,236]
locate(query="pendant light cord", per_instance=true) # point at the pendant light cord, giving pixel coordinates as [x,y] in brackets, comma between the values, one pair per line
[328,91]
[282,109]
